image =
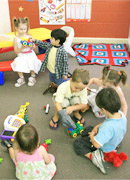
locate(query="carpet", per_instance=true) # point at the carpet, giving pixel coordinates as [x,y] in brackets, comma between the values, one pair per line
[102,54]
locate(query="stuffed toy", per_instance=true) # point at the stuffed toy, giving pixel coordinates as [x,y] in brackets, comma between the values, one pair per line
[115,158]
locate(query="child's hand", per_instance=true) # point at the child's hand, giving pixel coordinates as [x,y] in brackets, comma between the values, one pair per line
[91,134]
[31,38]
[69,110]
[65,77]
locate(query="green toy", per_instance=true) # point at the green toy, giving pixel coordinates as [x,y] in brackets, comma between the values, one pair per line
[26,117]
[74,132]
[48,141]
[1,160]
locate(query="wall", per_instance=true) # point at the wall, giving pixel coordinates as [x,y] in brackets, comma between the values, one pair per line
[5,26]
[110,18]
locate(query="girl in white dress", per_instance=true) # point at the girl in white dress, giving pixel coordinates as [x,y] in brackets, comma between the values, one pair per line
[26,60]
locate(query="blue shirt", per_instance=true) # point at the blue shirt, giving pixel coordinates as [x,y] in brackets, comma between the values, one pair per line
[111,133]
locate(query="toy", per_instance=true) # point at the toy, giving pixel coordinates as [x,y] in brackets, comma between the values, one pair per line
[8,135]
[47,107]
[45,145]
[74,132]
[13,122]
[115,158]
[1,160]
[26,42]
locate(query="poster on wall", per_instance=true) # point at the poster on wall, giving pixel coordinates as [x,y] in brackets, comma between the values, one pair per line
[78,10]
[52,12]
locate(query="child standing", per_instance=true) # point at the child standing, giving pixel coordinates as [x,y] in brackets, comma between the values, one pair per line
[106,136]
[26,60]
[110,78]
[71,95]
[56,58]
[32,161]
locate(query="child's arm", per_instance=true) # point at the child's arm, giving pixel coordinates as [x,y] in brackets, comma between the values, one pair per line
[95,129]
[16,49]
[65,66]
[77,107]
[95,81]
[45,155]
[124,105]
[41,44]
[91,135]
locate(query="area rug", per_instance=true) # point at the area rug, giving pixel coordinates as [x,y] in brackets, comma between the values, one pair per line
[102,54]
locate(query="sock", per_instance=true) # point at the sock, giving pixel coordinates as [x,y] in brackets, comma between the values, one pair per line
[90,157]
[22,77]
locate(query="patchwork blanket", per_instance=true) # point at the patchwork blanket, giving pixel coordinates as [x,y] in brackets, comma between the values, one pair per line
[102,54]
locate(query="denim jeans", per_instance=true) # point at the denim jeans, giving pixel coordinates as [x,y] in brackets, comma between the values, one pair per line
[57,81]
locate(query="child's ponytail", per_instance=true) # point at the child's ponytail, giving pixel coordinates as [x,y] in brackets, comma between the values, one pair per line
[123,77]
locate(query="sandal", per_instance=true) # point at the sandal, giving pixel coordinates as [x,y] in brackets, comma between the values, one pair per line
[76,119]
[6,144]
[20,82]
[52,127]
[31,81]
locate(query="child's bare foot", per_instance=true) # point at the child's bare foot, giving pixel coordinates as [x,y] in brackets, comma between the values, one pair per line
[78,117]
[53,123]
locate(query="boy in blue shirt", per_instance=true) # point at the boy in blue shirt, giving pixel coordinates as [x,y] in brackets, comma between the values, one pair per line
[106,136]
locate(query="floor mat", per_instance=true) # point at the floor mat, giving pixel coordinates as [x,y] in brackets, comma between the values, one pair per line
[102,54]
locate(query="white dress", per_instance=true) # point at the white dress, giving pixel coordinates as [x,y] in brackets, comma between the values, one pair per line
[26,61]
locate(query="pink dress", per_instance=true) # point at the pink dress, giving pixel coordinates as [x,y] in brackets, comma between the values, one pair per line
[33,167]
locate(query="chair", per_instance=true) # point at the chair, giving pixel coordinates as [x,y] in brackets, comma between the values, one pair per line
[68,42]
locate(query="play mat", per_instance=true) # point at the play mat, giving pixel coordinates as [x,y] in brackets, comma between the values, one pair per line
[6,40]
[102,54]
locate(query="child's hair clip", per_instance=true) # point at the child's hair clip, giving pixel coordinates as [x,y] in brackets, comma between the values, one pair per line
[109,68]
[119,73]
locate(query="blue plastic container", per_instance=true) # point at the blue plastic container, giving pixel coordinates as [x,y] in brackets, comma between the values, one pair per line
[1,78]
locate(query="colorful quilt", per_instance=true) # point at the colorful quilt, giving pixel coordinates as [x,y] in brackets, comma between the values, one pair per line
[102,54]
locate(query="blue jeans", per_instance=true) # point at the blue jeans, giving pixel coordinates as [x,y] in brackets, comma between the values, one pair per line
[57,81]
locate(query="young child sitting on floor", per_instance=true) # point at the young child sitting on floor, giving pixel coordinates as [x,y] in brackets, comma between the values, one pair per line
[31,160]
[56,58]
[110,78]
[106,136]
[71,95]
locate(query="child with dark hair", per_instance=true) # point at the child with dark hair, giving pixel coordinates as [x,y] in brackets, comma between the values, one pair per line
[106,136]
[32,161]
[110,78]
[56,58]
[71,96]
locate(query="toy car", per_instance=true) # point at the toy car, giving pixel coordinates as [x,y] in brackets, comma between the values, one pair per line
[26,42]
[74,132]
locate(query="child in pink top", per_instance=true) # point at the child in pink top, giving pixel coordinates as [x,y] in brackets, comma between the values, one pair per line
[32,161]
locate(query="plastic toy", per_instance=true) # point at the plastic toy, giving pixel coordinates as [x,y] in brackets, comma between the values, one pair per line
[13,122]
[47,107]
[74,132]
[115,158]
[45,145]
[26,42]
[8,135]
[1,160]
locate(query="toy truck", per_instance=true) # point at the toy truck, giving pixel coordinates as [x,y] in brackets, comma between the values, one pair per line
[74,132]
[26,42]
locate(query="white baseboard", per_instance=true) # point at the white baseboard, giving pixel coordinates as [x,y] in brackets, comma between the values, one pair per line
[100,40]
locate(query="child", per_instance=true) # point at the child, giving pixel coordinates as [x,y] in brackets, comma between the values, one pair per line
[110,78]
[56,59]
[106,136]
[32,161]
[26,60]
[71,95]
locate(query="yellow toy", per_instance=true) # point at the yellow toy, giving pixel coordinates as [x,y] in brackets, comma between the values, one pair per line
[22,110]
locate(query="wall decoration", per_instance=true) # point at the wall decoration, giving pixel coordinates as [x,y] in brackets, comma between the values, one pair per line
[52,12]
[20,8]
[78,10]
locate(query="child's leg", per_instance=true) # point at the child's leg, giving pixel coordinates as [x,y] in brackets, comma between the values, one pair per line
[21,80]
[32,79]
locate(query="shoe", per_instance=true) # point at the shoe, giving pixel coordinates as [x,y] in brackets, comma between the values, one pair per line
[31,81]
[98,160]
[20,82]
[52,127]
[76,119]
[51,88]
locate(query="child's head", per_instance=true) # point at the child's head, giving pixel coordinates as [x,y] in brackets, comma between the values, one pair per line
[59,36]
[113,76]
[27,138]
[21,25]
[80,79]
[109,100]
